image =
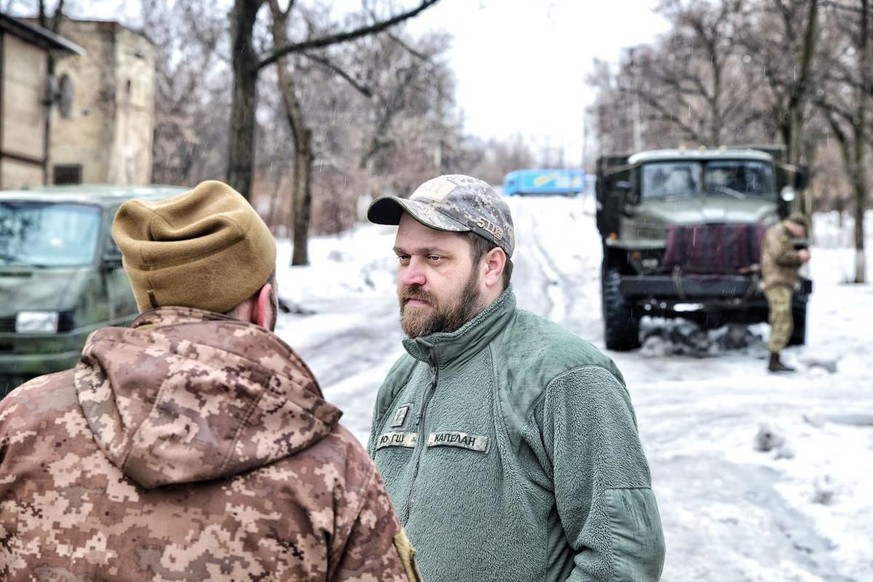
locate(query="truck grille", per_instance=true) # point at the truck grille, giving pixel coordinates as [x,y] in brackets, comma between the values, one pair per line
[713,248]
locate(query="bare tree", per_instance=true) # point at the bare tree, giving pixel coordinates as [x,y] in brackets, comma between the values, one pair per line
[780,38]
[246,66]
[687,80]
[689,87]
[191,102]
[845,99]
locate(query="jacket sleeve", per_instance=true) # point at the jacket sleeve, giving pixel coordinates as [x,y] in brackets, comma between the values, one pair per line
[601,478]
[778,244]
[376,546]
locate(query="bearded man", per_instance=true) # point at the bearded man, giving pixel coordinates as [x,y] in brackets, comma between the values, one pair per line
[509,445]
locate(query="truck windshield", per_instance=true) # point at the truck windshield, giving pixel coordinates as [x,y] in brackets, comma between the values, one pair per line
[670,180]
[40,234]
[739,179]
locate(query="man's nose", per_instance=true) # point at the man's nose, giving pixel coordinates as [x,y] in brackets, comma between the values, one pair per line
[412,273]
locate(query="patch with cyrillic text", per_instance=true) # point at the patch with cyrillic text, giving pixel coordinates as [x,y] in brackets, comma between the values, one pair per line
[397,439]
[461,440]
[400,415]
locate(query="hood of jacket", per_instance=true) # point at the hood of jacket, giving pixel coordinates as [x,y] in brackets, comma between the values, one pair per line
[186,395]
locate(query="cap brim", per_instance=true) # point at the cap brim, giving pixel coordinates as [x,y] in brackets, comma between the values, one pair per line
[390,209]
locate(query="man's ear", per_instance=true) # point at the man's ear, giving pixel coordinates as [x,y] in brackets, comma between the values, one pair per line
[261,314]
[495,261]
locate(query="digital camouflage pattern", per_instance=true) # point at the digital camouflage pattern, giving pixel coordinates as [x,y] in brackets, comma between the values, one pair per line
[779,265]
[779,259]
[188,447]
[779,317]
[455,203]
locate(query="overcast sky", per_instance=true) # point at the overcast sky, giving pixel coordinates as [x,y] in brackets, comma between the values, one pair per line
[521,64]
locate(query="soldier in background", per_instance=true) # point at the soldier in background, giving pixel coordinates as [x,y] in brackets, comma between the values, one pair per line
[195,445]
[780,262]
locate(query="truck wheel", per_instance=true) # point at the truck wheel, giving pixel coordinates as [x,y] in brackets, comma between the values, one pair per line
[798,335]
[621,329]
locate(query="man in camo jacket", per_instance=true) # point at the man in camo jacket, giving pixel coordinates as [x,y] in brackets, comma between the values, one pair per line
[780,262]
[195,445]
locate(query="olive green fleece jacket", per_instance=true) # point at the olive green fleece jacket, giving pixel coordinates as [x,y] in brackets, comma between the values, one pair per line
[510,450]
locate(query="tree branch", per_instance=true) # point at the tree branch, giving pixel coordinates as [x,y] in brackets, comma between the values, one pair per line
[276,54]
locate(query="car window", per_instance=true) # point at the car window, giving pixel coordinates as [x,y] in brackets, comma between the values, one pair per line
[47,235]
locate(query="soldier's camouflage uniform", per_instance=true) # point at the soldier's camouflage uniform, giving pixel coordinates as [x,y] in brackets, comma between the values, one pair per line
[189,447]
[779,265]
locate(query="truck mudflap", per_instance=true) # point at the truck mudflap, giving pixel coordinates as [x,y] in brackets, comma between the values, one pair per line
[697,288]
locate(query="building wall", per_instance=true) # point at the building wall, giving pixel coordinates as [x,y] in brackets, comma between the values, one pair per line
[110,128]
[24,69]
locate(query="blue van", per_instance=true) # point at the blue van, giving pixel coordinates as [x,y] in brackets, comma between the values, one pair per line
[558,182]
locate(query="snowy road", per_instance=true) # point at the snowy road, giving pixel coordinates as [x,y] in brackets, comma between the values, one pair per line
[800,512]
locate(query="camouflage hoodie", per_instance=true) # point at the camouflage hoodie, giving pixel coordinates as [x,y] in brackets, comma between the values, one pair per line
[189,447]
[779,260]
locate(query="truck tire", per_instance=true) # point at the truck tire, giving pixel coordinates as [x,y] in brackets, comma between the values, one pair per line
[798,333]
[621,328]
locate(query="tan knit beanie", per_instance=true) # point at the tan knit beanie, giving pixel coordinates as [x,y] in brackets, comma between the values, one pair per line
[206,248]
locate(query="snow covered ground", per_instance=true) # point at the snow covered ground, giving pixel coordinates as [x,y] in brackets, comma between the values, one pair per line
[759,477]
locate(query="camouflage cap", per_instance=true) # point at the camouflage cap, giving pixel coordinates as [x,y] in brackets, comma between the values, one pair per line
[454,203]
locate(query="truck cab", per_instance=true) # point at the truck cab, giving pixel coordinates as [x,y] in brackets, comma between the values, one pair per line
[681,233]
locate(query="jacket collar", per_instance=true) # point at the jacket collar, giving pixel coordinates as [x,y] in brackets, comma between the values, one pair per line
[446,349]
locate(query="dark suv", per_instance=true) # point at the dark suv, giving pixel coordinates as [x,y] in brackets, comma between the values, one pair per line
[60,274]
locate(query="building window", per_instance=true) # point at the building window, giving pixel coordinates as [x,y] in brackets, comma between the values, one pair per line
[71,174]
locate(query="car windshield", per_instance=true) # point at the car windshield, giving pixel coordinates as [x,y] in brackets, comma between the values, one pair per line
[42,234]
[739,179]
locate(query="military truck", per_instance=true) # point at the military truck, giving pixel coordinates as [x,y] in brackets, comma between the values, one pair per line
[681,231]
[60,274]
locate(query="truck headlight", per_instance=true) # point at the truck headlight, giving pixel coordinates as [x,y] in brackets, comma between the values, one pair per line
[37,322]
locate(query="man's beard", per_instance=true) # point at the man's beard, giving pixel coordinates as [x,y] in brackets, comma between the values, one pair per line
[419,322]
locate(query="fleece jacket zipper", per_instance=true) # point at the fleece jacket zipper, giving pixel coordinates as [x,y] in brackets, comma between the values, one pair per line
[421,442]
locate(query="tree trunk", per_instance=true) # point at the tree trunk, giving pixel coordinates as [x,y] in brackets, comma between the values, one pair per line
[241,143]
[859,177]
[301,192]
[302,196]
[860,253]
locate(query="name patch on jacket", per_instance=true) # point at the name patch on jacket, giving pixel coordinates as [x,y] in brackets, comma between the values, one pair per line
[397,439]
[461,440]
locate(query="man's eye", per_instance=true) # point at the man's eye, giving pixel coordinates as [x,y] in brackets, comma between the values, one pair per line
[404,259]
[434,258]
